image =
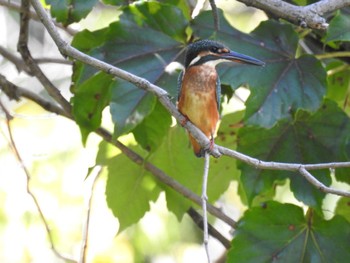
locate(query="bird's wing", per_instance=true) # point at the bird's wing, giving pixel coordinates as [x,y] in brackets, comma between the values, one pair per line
[218,93]
[179,82]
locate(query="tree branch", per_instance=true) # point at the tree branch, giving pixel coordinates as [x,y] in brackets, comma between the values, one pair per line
[16,93]
[22,47]
[162,95]
[198,220]
[305,16]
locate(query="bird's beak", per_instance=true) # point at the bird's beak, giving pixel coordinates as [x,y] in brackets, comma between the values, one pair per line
[240,58]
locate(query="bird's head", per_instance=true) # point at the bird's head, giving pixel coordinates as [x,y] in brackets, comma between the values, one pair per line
[212,53]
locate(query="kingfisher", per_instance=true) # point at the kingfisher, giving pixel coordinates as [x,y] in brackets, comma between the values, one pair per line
[199,86]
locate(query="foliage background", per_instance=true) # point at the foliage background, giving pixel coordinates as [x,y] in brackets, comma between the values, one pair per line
[59,165]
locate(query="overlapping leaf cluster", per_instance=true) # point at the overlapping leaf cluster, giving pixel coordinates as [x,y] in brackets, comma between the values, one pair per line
[296,113]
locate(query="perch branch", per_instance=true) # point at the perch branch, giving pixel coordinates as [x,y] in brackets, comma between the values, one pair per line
[306,16]
[163,96]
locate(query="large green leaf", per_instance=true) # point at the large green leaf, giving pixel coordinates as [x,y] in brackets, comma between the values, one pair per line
[281,233]
[339,28]
[141,43]
[70,11]
[129,187]
[176,158]
[284,85]
[310,138]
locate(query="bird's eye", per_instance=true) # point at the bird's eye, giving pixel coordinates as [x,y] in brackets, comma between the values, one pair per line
[214,49]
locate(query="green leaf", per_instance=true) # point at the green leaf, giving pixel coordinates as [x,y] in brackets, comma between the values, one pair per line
[151,131]
[343,208]
[281,233]
[129,106]
[339,28]
[228,129]
[310,138]
[90,99]
[129,187]
[284,85]
[70,11]
[338,81]
[141,44]
[176,158]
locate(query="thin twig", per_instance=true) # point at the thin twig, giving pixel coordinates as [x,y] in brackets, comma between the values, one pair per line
[84,243]
[214,10]
[163,97]
[27,174]
[204,203]
[16,93]
[309,177]
[198,220]
[19,64]
[22,47]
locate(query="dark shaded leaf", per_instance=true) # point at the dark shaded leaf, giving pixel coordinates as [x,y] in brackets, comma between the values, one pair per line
[339,28]
[310,138]
[284,85]
[70,11]
[278,232]
[139,43]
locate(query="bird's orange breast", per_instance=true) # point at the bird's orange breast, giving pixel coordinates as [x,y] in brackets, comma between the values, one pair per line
[197,100]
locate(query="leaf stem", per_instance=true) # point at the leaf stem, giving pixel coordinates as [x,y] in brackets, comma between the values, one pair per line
[333,55]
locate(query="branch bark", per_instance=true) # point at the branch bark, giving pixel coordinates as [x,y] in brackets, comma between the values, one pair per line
[23,49]
[306,16]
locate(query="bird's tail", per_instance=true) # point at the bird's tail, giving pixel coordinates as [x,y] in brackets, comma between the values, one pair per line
[198,150]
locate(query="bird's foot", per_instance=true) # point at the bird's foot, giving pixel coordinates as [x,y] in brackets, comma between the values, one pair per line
[184,120]
[212,149]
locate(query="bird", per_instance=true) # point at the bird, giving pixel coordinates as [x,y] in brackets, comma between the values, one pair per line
[199,87]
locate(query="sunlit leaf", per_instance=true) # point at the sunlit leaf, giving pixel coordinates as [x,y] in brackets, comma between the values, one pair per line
[70,11]
[343,208]
[338,80]
[129,187]
[281,233]
[284,85]
[310,138]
